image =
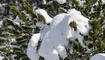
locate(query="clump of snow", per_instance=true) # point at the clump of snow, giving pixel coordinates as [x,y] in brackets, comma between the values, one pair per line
[32,52]
[56,37]
[44,14]
[44,2]
[2,8]
[92,10]
[17,21]
[13,57]
[1,57]
[3,4]
[82,26]
[100,56]
[28,15]
[103,1]
[82,22]
[61,1]
[1,23]
[51,42]
[57,20]
[13,39]
[81,2]
[43,29]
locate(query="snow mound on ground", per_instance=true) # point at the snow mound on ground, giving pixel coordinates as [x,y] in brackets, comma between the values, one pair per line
[32,47]
[100,56]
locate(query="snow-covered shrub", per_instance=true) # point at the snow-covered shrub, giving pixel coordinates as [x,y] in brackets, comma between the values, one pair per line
[56,40]
[25,23]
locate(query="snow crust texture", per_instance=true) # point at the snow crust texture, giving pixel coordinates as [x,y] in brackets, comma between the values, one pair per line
[55,40]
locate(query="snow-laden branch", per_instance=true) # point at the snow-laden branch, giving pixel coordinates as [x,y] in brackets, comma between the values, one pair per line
[42,12]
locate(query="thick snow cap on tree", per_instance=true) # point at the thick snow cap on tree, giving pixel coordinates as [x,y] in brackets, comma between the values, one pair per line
[56,38]
[44,14]
[100,56]
[32,47]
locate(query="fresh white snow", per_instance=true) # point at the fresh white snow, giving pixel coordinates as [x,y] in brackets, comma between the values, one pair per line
[99,56]
[1,57]
[44,14]
[53,39]
[17,21]
[81,2]
[103,1]
[1,23]
[61,1]
[56,37]
[32,52]
[44,1]
[82,22]
[28,15]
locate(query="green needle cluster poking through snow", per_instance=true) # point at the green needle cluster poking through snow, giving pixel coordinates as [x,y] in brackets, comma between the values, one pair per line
[56,40]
